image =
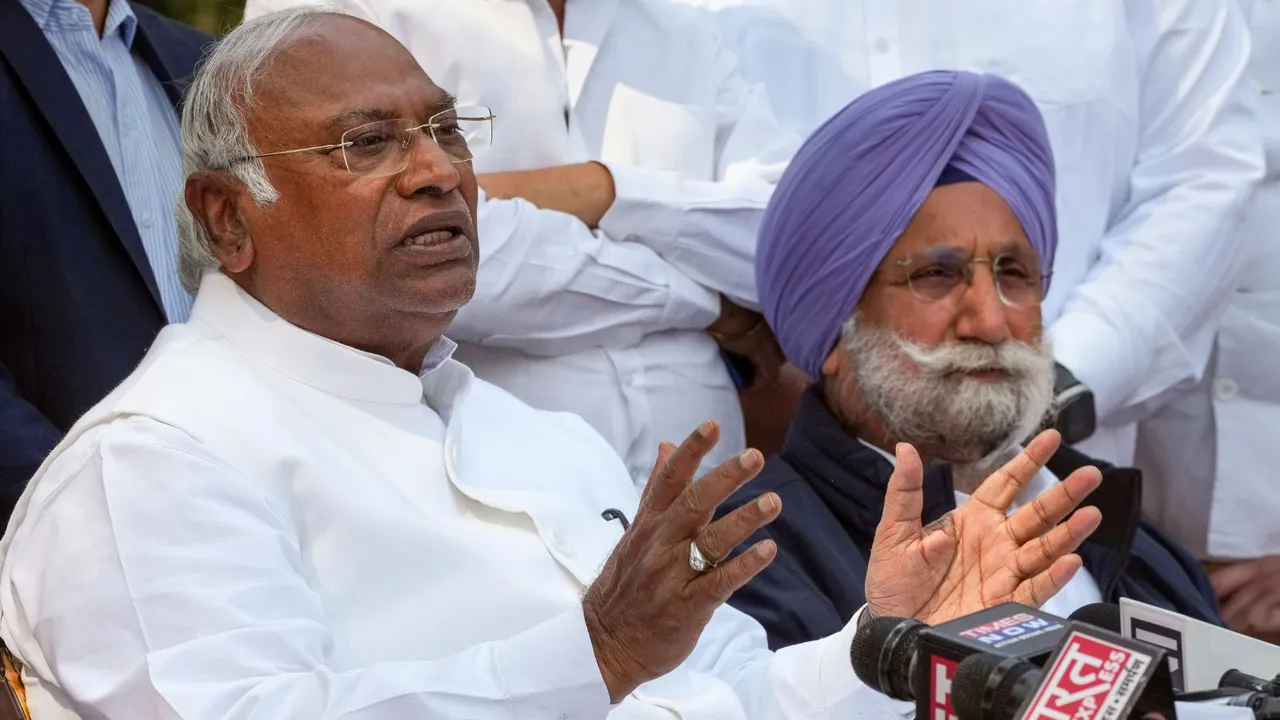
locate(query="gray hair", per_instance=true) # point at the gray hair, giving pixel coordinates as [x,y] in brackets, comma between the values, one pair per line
[214,133]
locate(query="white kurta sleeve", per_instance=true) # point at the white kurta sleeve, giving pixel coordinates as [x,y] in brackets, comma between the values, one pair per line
[810,681]
[707,228]
[1144,319]
[549,285]
[156,582]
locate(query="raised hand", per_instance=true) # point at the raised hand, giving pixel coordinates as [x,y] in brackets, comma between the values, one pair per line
[649,606]
[974,556]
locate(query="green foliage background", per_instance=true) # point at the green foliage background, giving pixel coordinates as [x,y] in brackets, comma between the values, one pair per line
[212,16]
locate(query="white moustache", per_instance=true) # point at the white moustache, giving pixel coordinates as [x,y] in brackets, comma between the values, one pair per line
[1016,358]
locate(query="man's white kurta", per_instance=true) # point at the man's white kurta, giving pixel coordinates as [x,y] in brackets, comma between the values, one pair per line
[609,323]
[262,523]
[1209,455]
[1154,137]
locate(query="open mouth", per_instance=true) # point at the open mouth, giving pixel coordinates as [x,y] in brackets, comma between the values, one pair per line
[432,237]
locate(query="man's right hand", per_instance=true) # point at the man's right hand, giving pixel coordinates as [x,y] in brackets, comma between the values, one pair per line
[648,608]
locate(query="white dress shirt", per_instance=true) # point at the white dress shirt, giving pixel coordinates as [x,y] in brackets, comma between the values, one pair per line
[262,523]
[607,324]
[1209,457]
[1154,137]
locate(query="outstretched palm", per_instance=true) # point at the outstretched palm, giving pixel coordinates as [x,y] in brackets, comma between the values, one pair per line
[974,556]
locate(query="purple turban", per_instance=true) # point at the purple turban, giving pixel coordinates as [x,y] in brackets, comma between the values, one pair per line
[854,186]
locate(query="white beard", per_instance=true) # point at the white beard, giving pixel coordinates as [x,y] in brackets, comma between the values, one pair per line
[921,396]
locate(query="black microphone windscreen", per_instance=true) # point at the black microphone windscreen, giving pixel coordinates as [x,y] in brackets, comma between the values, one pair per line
[881,653]
[986,687]
[967,685]
[1101,615]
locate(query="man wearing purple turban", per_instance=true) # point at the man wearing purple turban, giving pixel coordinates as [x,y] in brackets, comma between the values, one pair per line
[901,264]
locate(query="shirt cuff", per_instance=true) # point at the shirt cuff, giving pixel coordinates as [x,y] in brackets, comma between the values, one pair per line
[1106,362]
[647,206]
[690,306]
[553,665]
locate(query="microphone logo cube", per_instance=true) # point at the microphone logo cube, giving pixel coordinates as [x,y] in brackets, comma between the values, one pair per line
[1091,678]
[940,673]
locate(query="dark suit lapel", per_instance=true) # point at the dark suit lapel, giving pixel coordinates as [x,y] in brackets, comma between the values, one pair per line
[40,71]
[145,44]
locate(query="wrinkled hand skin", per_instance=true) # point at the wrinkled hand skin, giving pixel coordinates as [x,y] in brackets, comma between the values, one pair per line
[648,608]
[1249,596]
[975,557]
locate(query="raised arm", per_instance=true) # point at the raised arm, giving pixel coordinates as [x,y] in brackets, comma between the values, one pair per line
[549,285]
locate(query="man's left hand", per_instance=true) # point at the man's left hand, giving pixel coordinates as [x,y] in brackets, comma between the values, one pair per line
[585,190]
[1249,593]
[744,332]
[975,556]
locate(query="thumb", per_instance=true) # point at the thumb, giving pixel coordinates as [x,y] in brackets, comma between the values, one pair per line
[904,499]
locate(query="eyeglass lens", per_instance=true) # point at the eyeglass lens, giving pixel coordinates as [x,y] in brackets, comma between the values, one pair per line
[384,147]
[932,273]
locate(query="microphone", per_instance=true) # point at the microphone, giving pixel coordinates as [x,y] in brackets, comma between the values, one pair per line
[908,660]
[1093,674]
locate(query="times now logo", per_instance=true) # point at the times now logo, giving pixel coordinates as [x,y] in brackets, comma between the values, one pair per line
[940,672]
[997,632]
[1091,679]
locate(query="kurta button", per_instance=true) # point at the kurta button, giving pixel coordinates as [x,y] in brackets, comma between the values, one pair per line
[1225,389]
[882,45]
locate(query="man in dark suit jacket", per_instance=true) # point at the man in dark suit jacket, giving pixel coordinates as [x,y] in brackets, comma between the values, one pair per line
[84,224]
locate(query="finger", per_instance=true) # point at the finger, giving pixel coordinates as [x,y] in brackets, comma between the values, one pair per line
[717,585]
[1039,589]
[1002,487]
[676,473]
[1042,551]
[719,538]
[1049,507]
[904,499]
[1235,611]
[1230,579]
[664,453]
[699,500]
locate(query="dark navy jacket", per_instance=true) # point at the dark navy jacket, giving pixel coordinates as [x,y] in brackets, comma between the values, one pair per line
[832,489]
[78,303]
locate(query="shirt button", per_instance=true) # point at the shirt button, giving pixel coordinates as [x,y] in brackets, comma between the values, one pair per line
[882,45]
[1225,389]
[146,220]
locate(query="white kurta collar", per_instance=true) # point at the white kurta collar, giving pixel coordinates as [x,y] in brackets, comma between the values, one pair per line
[317,361]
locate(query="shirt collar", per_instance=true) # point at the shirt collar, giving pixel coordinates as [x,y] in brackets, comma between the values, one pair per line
[322,363]
[1042,481]
[53,15]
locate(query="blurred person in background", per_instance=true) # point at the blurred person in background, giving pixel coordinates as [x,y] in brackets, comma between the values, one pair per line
[903,261]
[90,168]
[619,211]
[1157,148]
[301,506]
[1208,454]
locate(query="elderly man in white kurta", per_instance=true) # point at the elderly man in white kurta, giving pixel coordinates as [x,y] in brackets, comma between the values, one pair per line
[598,280]
[300,506]
[1154,138]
